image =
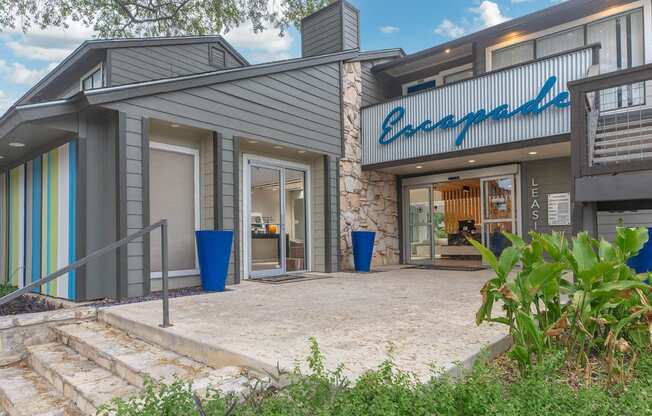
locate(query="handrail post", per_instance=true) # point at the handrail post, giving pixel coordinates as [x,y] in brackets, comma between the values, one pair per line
[164,274]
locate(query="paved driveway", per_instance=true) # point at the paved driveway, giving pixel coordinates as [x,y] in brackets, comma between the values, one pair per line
[426,316]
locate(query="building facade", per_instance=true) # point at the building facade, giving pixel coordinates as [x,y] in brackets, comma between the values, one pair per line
[539,124]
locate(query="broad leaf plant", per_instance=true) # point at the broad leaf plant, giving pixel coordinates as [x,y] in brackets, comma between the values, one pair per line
[579,295]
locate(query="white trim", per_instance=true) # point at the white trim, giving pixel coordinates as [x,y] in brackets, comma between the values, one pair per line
[462,174]
[247,161]
[99,66]
[610,12]
[197,211]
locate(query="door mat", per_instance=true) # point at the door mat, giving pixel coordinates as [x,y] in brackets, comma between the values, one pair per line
[289,278]
[451,268]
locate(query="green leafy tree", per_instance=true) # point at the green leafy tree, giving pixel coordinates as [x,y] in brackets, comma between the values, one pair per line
[132,18]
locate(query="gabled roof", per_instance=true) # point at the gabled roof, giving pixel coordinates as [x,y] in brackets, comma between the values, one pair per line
[91,46]
[18,113]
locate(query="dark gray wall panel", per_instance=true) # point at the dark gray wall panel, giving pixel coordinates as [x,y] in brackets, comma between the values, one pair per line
[373,90]
[297,108]
[550,176]
[99,135]
[156,62]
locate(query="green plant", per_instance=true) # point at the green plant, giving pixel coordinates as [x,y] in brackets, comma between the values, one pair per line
[6,289]
[490,388]
[608,307]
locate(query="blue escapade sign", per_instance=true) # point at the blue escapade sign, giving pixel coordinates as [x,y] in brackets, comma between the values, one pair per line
[534,106]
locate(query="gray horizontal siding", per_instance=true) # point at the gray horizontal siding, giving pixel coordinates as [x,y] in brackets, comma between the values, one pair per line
[373,90]
[322,33]
[144,63]
[299,108]
[227,201]
[134,152]
[351,29]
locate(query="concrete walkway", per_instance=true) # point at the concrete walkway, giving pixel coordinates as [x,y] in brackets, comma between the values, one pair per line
[427,316]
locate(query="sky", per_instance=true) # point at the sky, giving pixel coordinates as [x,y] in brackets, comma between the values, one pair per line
[415,25]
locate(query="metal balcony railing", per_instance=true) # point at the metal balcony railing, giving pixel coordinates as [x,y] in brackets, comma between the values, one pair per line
[162,224]
[612,121]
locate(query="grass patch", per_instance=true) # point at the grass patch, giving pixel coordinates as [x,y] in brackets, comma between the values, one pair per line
[6,289]
[489,389]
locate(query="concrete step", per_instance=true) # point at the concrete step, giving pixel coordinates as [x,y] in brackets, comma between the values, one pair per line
[79,379]
[136,360]
[25,393]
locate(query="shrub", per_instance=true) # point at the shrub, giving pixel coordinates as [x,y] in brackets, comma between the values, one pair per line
[608,309]
[488,389]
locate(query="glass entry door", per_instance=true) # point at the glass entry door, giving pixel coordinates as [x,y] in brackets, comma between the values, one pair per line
[277,214]
[498,212]
[266,206]
[420,225]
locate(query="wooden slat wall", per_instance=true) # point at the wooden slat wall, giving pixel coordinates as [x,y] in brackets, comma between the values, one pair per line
[460,205]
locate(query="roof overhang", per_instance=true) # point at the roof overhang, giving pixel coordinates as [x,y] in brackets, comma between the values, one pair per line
[129,91]
[91,47]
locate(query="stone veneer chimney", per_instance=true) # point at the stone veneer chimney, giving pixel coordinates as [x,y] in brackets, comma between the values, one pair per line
[368,199]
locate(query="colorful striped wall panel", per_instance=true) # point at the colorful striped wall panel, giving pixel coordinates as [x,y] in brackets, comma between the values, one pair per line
[37,220]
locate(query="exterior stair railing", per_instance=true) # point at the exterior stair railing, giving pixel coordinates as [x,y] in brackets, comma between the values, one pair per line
[162,224]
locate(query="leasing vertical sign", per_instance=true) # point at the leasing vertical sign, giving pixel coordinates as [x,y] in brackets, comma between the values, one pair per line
[515,104]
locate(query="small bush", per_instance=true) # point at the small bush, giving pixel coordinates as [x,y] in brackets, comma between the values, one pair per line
[488,389]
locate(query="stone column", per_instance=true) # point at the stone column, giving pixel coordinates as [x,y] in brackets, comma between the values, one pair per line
[368,199]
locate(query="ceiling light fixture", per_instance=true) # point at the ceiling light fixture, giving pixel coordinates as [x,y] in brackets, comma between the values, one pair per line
[532,153]
[472,161]
[174,126]
[448,50]
[301,151]
[253,141]
[279,147]
[17,144]
[419,167]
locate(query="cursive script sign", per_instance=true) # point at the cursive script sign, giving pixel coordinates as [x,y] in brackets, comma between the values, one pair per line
[534,106]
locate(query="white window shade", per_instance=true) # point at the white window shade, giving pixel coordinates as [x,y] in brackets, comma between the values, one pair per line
[512,55]
[560,42]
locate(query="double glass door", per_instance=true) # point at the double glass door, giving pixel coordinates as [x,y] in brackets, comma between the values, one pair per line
[277,219]
[442,217]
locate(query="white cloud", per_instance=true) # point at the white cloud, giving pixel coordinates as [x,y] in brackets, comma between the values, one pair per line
[449,29]
[50,44]
[263,46]
[488,14]
[5,101]
[389,29]
[17,73]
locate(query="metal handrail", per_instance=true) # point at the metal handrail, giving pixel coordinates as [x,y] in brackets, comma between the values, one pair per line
[163,224]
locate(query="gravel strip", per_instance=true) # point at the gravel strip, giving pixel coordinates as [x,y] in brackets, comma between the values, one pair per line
[175,293]
[26,304]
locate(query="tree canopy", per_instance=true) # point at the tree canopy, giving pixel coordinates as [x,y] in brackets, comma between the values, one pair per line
[137,18]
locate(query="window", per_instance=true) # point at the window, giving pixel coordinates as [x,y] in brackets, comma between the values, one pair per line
[458,76]
[618,49]
[93,79]
[513,55]
[420,85]
[621,38]
[217,57]
[560,42]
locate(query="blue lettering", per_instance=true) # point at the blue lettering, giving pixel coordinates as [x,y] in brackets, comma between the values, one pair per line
[501,112]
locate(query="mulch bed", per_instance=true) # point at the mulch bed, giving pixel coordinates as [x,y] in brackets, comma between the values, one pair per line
[26,304]
[172,293]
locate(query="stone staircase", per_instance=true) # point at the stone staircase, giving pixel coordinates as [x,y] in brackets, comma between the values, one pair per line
[90,363]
